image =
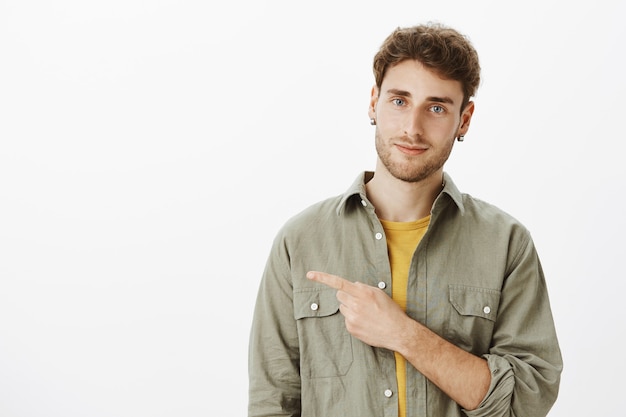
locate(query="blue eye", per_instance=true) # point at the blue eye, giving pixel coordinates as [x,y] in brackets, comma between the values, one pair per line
[398,101]
[437,109]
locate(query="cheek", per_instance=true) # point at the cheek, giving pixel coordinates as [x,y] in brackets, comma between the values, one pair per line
[391,120]
[442,127]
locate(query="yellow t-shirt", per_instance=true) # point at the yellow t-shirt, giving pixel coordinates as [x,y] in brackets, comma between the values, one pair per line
[402,240]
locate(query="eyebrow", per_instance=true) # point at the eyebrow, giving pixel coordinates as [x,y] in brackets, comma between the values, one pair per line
[403,93]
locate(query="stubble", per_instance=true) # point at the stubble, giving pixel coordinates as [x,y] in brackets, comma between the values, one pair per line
[411,168]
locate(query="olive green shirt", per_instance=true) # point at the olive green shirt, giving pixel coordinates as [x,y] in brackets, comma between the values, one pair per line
[475,279]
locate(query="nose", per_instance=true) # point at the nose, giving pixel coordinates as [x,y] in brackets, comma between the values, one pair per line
[413,125]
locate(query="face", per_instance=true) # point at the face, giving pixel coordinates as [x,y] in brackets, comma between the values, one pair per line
[418,116]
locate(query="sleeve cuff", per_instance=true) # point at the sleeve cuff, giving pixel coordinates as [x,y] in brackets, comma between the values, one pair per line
[497,401]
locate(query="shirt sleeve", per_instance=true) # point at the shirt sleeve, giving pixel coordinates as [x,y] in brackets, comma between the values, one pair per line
[273,357]
[524,359]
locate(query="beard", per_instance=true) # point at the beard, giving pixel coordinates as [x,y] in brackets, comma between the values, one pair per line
[411,168]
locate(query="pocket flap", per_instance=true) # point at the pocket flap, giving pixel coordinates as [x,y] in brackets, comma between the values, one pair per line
[474,301]
[315,302]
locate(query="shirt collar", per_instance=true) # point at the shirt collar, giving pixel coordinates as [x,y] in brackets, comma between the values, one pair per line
[450,189]
[358,189]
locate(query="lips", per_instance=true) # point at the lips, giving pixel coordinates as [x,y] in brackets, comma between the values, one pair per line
[411,149]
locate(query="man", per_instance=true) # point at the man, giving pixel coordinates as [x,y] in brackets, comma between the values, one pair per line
[403,296]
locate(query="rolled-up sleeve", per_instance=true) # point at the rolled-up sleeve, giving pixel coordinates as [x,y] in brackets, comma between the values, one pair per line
[524,359]
[273,361]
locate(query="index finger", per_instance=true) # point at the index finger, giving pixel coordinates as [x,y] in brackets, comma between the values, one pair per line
[332,281]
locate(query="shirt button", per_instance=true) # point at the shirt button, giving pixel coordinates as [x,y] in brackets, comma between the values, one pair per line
[487,310]
[378,236]
[388,393]
[314,306]
[382,285]
[364,203]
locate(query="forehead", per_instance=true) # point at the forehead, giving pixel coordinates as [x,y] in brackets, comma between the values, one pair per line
[413,77]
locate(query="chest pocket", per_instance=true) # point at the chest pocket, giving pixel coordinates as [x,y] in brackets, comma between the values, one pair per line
[325,344]
[473,312]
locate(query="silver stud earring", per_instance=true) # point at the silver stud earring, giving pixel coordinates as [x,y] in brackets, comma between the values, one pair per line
[460,138]
[373,122]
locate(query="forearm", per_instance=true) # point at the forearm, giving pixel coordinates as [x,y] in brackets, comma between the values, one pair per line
[463,376]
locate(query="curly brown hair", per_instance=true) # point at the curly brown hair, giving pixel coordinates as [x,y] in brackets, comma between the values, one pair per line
[438,47]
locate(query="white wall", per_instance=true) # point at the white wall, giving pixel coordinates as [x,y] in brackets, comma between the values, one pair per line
[150,150]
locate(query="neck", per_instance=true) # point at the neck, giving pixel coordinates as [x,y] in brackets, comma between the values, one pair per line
[400,201]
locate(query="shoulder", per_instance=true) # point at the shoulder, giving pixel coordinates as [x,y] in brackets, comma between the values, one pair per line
[466,210]
[488,219]
[322,214]
[486,211]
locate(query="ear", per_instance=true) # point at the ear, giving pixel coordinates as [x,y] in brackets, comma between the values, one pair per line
[371,112]
[466,118]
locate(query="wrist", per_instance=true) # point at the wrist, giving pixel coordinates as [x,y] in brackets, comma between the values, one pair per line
[408,337]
